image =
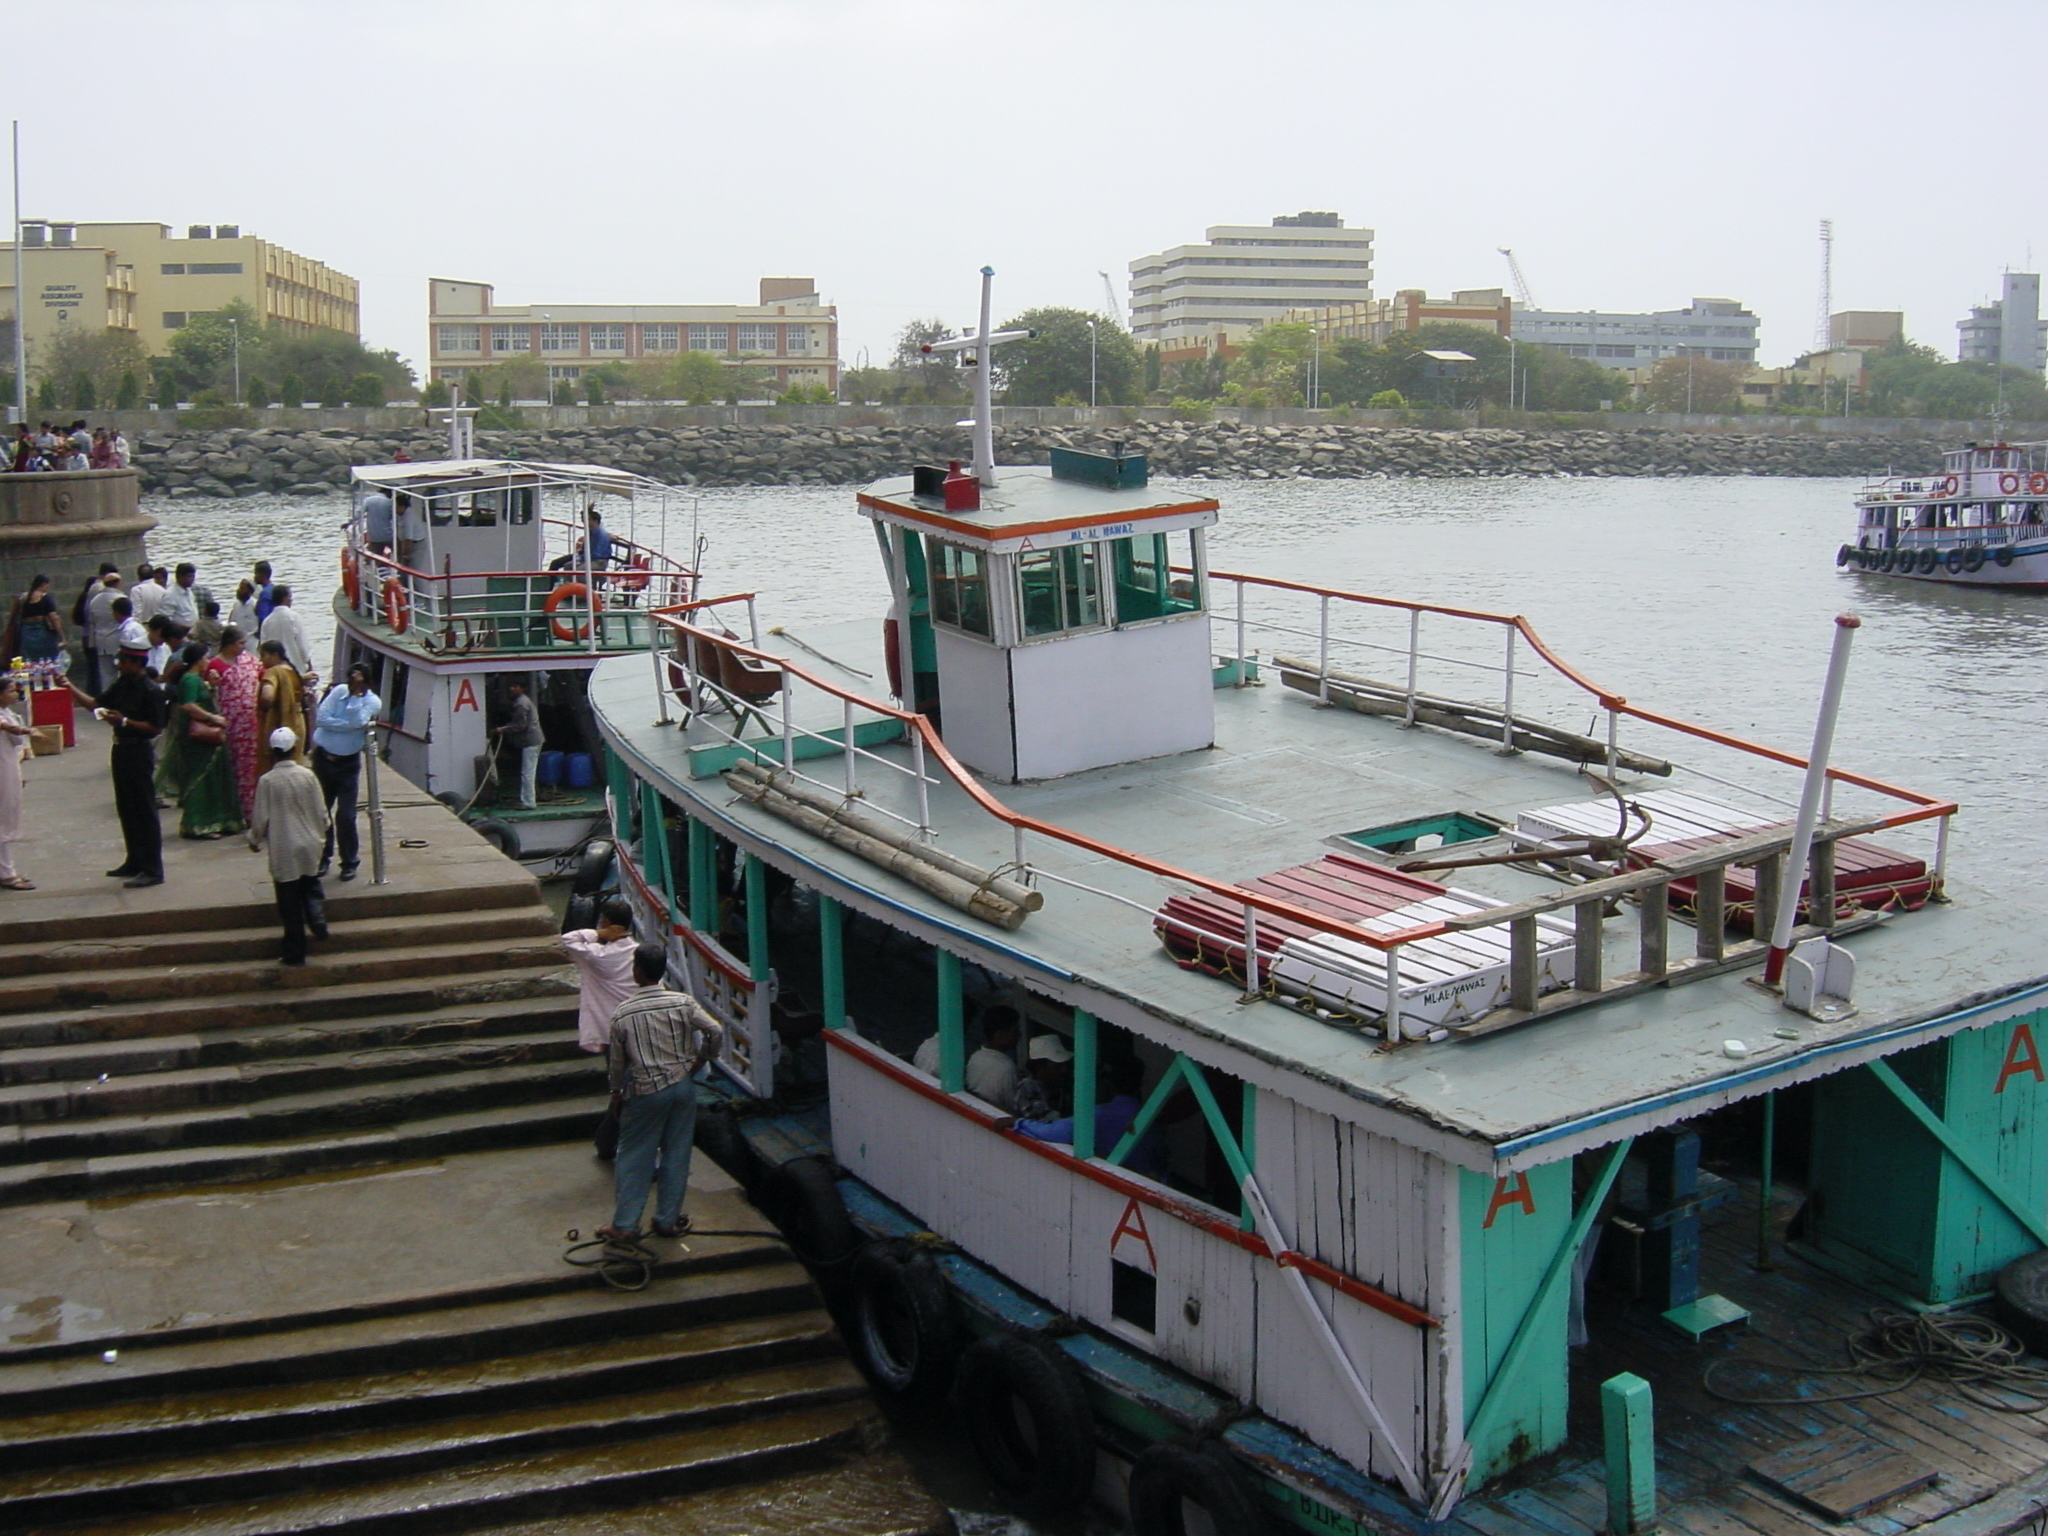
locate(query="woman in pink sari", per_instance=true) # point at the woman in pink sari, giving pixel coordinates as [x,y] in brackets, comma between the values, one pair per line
[235,675]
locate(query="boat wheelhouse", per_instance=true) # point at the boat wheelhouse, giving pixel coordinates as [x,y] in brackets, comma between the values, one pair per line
[1412,1031]
[1983,521]
[492,576]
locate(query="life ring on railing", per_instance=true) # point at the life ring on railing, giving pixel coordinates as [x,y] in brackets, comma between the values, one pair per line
[2037,484]
[577,592]
[635,576]
[351,576]
[397,606]
[1946,486]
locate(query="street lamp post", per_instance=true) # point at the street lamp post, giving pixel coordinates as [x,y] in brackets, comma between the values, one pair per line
[1091,362]
[1511,372]
[1315,368]
[235,336]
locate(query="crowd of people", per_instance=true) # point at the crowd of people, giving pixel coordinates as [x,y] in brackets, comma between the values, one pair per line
[51,447]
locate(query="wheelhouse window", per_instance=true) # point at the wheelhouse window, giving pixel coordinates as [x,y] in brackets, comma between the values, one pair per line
[1060,589]
[1148,585]
[959,580]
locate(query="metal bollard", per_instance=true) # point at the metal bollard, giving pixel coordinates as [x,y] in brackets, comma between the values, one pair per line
[1628,1428]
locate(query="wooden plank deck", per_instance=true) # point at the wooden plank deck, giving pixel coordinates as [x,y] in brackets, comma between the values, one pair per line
[1705,1445]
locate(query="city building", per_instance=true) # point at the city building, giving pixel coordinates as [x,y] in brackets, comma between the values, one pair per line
[1194,300]
[1719,330]
[70,286]
[1409,309]
[1865,330]
[791,335]
[2009,330]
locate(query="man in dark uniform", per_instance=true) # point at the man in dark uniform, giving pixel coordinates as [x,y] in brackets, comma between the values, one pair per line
[135,708]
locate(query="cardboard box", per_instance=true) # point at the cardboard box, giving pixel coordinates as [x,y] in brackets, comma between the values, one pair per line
[46,740]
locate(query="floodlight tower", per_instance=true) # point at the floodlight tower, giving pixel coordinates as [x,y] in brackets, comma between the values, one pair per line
[1822,338]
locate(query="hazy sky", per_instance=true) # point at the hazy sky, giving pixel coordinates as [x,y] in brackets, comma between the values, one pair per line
[674,151]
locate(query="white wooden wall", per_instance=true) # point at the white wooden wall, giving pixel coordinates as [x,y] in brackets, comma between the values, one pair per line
[1369,1208]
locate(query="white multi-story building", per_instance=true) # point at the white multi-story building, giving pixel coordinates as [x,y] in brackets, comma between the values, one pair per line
[2010,330]
[1198,299]
[1719,330]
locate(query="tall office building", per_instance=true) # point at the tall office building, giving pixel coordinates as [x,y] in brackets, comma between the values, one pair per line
[2010,330]
[1197,299]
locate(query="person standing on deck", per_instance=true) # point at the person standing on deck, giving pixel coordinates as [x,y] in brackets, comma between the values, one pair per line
[291,819]
[658,1039]
[135,709]
[378,524]
[522,730]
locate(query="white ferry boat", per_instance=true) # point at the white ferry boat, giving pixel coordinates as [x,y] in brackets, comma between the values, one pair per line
[500,585]
[1415,1036]
[1983,521]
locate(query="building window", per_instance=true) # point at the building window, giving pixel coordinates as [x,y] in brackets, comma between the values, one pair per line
[174,319]
[511,338]
[560,373]
[757,338]
[173,269]
[1615,351]
[462,338]
[707,338]
[1147,586]
[959,580]
[1061,589]
[215,268]
[607,338]
[796,338]
[660,338]
[560,338]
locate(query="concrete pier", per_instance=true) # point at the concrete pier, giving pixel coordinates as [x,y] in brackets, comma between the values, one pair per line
[63,524]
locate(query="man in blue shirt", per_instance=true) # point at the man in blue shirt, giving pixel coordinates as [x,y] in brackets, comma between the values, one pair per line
[1123,1078]
[378,523]
[595,546]
[341,728]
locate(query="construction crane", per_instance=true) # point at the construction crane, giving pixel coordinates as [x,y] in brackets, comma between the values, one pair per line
[1522,293]
[1116,308]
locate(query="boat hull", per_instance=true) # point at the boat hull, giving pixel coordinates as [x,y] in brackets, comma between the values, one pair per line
[1952,565]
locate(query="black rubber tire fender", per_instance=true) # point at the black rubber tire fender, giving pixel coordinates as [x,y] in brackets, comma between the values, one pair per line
[2020,1301]
[1165,1478]
[1973,558]
[1844,555]
[501,835]
[2003,555]
[1929,559]
[1887,560]
[456,803]
[593,867]
[718,1137]
[1027,1416]
[900,1321]
[579,912]
[801,1197]
[1953,559]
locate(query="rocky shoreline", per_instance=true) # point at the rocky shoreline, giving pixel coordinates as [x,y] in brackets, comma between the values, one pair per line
[255,461]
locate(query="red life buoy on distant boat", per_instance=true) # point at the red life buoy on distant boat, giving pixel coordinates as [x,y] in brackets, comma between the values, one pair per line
[1947,486]
[351,576]
[578,593]
[397,606]
[2037,484]
[2008,485]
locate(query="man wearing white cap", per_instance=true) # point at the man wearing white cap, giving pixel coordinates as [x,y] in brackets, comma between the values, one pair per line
[1042,1092]
[290,816]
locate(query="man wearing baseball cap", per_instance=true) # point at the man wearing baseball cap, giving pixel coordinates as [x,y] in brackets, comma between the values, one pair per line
[290,816]
[134,708]
[1043,1092]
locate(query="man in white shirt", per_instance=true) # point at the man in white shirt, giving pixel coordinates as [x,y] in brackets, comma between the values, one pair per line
[991,1071]
[147,594]
[100,624]
[181,599]
[285,627]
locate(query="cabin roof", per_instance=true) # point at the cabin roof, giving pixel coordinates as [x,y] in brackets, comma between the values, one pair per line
[1026,502]
[438,472]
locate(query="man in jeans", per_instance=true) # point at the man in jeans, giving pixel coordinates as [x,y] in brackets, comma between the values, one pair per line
[522,730]
[659,1037]
[341,727]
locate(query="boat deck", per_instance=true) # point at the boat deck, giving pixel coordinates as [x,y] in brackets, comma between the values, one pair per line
[1285,782]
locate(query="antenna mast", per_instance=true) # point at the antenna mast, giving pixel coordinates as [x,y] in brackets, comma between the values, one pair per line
[1822,337]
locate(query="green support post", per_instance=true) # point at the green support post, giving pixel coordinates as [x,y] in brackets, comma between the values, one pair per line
[952,1025]
[1248,1139]
[654,844]
[1084,1084]
[832,961]
[757,920]
[703,879]
[1628,1426]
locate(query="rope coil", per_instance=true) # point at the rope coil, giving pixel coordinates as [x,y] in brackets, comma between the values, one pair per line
[1980,1360]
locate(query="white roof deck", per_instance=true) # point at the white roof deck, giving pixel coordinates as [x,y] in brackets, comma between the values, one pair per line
[1284,779]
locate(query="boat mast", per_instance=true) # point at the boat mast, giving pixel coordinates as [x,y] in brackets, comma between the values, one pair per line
[976,344]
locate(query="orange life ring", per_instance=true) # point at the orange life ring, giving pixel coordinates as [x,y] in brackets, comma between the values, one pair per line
[1947,487]
[397,606]
[2008,485]
[351,576]
[634,576]
[570,591]
[2038,484]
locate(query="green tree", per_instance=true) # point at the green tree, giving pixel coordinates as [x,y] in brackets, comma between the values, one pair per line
[870,386]
[924,378]
[204,350]
[83,396]
[473,388]
[128,394]
[521,376]
[257,394]
[565,393]
[90,362]
[593,388]
[1055,360]
[291,391]
[1388,400]
[1906,379]
[368,390]
[46,394]
[333,394]
[434,395]
[1694,384]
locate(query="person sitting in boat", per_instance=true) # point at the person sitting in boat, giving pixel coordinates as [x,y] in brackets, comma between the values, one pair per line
[595,546]
[1045,1091]
[991,1071]
[1122,1084]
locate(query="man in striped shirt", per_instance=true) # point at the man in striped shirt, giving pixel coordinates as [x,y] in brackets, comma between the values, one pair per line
[658,1039]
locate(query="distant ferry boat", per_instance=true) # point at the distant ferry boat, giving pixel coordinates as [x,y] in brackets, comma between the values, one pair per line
[1398,1014]
[500,587]
[1983,521]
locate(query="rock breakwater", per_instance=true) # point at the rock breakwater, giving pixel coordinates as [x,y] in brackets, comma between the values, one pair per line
[253,461]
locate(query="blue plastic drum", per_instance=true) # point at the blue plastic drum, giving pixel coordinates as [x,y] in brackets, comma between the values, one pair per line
[549,773]
[582,770]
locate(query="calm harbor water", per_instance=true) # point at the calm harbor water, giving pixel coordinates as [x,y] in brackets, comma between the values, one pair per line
[1706,598]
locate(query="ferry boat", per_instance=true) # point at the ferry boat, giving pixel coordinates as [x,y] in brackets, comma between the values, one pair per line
[1411,1030]
[1983,521]
[499,586]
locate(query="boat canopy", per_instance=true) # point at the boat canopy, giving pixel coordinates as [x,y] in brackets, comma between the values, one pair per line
[438,472]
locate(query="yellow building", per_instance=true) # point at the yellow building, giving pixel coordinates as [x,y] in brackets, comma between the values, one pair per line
[70,286]
[210,266]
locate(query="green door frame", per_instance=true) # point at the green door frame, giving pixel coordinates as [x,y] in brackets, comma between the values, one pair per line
[1938,1128]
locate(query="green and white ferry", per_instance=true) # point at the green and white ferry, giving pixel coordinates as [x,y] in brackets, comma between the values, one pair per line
[1493,1074]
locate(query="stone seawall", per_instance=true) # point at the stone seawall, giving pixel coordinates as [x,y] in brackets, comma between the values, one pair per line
[244,462]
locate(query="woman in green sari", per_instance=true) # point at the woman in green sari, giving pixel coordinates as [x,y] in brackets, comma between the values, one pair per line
[199,772]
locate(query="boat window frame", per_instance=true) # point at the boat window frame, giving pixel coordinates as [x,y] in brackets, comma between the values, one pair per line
[1080,604]
[1155,597]
[953,589]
